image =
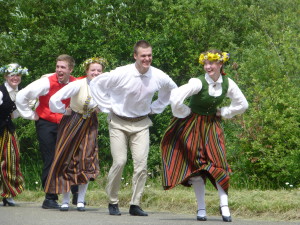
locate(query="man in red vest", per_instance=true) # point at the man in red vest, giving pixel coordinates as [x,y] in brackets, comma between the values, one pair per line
[46,122]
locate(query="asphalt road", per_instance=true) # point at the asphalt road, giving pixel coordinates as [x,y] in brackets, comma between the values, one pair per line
[29,213]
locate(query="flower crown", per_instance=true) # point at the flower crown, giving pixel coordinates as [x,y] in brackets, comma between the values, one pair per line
[13,69]
[213,57]
[99,60]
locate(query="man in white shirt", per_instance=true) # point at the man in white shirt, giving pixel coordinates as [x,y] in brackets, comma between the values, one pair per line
[126,94]
[46,122]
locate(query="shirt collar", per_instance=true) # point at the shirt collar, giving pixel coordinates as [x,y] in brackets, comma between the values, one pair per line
[138,74]
[9,88]
[210,81]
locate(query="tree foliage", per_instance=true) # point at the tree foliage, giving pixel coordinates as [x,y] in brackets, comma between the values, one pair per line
[262,37]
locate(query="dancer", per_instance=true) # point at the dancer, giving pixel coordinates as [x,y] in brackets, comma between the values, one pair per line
[126,93]
[46,122]
[76,155]
[11,178]
[193,146]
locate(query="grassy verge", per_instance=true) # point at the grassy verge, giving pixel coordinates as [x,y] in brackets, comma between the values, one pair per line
[279,205]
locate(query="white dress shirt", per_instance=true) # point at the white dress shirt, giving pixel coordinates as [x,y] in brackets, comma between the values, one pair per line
[30,93]
[55,103]
[128,93]
[238,103]
[12,94]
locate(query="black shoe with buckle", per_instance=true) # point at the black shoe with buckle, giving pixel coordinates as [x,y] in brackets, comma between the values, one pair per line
[50,204]
[225,218]
[64,207]
[114,210]
[80,207]
[201,218]
[135,210]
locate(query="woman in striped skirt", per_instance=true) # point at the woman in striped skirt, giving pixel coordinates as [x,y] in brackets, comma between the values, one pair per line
[193,146]
[11,178]
[76,154]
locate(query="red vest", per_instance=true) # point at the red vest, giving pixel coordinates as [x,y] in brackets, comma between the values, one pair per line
[43,110]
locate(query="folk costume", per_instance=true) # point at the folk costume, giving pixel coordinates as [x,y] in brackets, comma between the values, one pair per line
[47,125]
[194,144]
[193,147]
[76,154]
[11,178]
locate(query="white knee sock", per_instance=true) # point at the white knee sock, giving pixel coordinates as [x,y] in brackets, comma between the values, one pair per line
[66,198]
[199,188]
[223,201]
[81,192]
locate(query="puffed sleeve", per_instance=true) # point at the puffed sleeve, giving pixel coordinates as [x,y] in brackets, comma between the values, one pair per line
[164,93]
[178,95]
[100,88]
[238,103]
[1,97]
[31,92]
[55,103]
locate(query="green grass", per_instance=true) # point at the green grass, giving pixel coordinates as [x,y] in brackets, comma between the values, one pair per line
[279,205]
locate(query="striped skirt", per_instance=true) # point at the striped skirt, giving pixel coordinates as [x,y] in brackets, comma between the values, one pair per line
[194,146]
[11,178]
[76,153]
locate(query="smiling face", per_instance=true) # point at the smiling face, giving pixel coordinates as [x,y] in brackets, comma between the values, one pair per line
[63,71]
[213,69]
[143,59]
[93,70]
[13,80]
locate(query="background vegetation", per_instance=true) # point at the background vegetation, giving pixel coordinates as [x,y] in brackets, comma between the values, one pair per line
[262,37]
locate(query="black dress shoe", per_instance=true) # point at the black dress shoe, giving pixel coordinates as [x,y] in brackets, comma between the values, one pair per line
[225,218]
[135,210]
[50,204]
[114,210]
[9,203]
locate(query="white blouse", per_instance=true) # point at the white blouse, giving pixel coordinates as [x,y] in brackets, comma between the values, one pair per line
[128,93]
[55,103]
[238,103]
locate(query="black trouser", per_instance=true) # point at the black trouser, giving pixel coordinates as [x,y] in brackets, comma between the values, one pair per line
[47,135]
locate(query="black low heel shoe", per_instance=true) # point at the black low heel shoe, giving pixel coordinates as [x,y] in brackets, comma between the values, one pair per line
[5,202]
[225,218]
[201,218]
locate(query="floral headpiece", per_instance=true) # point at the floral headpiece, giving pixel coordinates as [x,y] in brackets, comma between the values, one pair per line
[13,69]
[99,60]
[213,57]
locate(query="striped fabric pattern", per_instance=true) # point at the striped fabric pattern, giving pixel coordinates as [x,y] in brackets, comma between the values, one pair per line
[11,178]
[194,146]
[76,154]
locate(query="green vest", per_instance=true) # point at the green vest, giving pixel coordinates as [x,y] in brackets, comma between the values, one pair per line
[204,104]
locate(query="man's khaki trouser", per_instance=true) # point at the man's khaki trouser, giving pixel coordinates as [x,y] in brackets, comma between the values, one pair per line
[136,134]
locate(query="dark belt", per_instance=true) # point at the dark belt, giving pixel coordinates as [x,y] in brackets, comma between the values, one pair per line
[132,119]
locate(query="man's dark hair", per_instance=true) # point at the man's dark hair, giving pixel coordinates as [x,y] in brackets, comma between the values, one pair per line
[141,44]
